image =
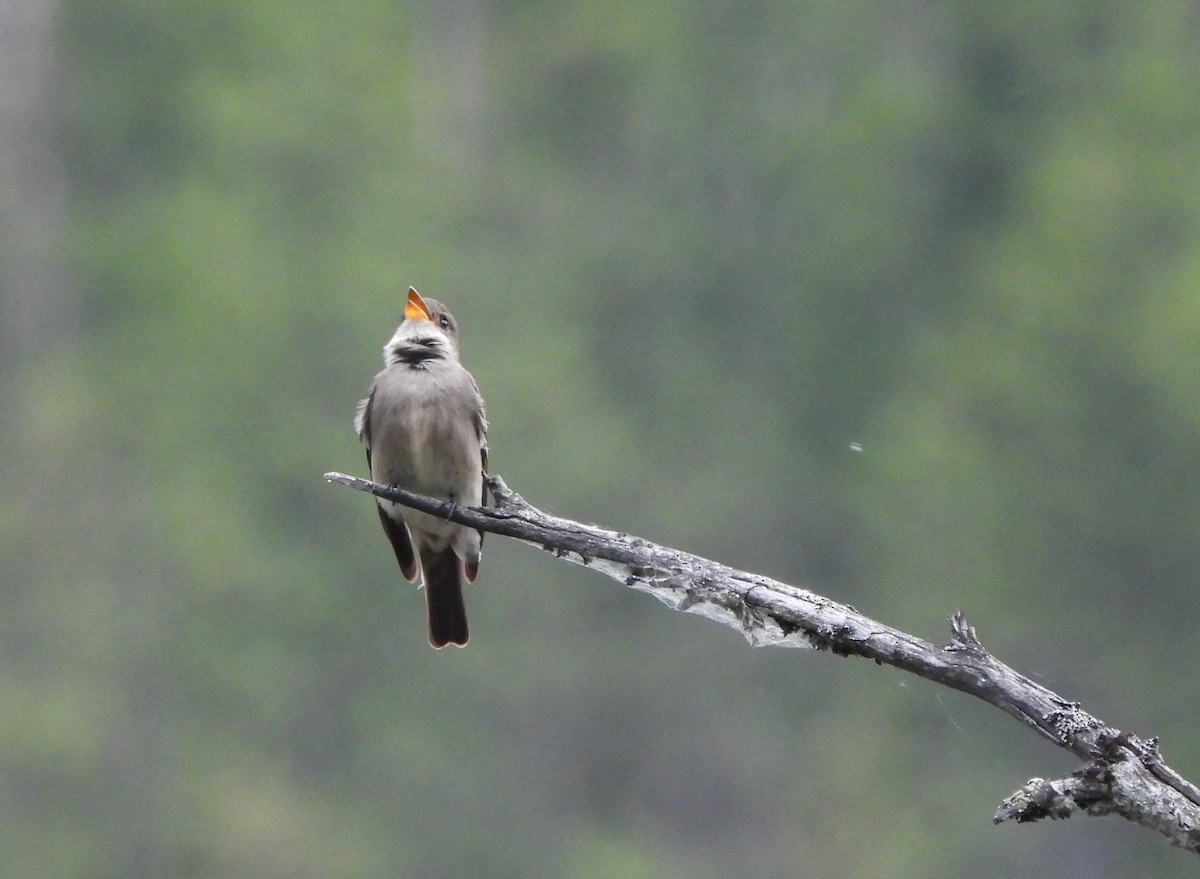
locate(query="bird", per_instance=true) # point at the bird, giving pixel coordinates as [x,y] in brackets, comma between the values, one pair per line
[425,430]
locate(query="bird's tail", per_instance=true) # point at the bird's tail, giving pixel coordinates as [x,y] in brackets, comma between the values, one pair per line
[443,596]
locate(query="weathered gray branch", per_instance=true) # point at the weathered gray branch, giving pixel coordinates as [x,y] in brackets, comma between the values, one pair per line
[1122,774]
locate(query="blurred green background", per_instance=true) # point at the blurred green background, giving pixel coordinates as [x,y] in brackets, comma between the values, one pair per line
[697,250]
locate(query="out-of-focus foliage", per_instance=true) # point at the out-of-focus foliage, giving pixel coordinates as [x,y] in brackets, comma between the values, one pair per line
[698,250]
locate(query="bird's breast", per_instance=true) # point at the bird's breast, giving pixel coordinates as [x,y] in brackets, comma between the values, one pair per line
[423,435]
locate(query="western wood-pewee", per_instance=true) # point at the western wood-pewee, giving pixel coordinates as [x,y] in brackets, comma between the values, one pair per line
[424,428]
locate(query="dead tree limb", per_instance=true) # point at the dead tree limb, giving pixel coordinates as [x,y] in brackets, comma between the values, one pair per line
[1121,774]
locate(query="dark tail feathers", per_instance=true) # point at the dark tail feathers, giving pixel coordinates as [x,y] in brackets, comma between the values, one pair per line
[443,597]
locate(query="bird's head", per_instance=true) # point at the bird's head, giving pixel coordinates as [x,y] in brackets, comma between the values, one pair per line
[427,332]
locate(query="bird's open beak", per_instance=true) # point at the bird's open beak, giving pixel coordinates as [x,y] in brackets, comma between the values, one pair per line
[415,308]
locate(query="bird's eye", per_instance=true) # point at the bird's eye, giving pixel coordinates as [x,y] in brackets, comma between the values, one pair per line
[443,322]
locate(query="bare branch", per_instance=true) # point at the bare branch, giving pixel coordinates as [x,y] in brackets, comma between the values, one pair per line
[1122,774]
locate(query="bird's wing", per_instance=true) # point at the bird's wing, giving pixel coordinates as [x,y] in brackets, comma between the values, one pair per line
[394,528]
[397,535]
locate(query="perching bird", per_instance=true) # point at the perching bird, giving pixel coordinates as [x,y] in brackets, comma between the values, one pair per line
[425,431]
